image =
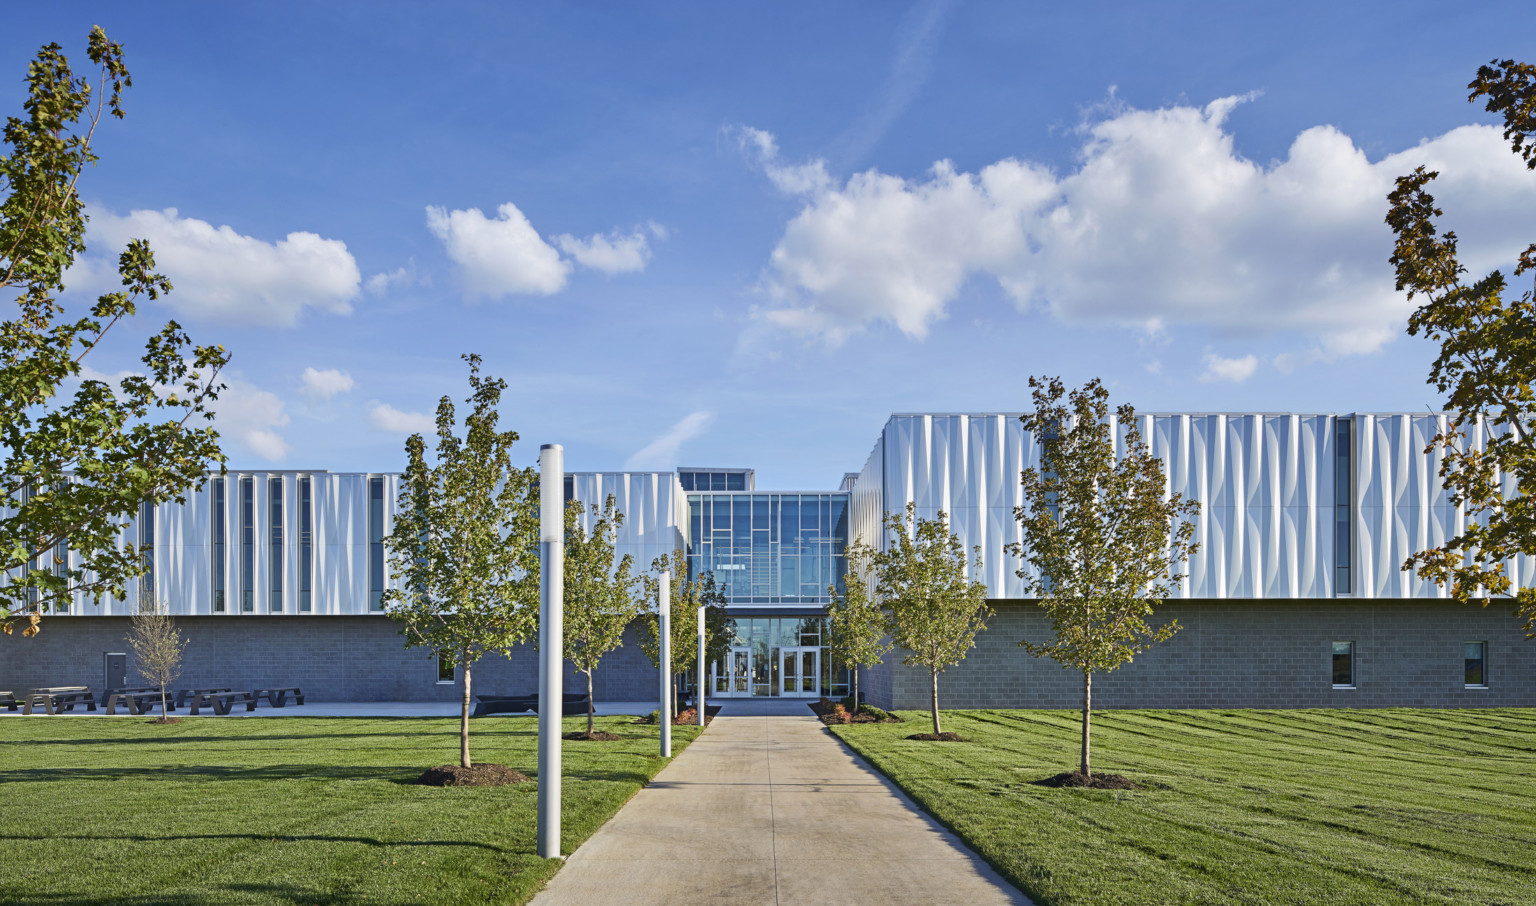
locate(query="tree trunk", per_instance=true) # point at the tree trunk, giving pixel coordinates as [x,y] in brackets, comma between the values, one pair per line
[855,688]
[934,675]
[1087,710]
[591,705]
[464,718]
[163,708]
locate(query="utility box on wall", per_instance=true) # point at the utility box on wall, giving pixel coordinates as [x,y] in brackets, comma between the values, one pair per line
[116,668]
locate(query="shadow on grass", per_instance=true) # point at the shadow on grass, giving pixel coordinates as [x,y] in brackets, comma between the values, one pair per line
[254,838]
[277,893]
[400,774]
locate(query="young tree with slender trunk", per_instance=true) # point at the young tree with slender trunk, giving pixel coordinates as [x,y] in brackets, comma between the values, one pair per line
[922,580]
[602,594]
[157,646]
[464,549]
[1486,367]
[73,472]
[688,594]
[1102,535]
[858,629]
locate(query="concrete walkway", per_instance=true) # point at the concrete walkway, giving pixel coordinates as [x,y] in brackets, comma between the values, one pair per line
[773,809]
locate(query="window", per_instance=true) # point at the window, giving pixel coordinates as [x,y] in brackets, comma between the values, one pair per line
[61,569]
[444,670]
[147,551]
[1341,505]
[275,544]
[247,545]
[376,544]
[216,544]
[1475,656]
[306,544]
[1343,665]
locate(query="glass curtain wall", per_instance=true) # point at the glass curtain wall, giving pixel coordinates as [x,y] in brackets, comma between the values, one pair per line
[770,548]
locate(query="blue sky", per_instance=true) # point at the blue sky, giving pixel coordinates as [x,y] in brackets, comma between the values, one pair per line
[744,234]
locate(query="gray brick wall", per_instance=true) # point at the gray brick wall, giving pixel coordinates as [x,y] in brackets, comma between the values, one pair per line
[332,658]
[1249,654]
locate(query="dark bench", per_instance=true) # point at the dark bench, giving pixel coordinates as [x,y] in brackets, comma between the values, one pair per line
[572,703]
[59,698]
[183,695]
[278,698]
[137,701]
[8,699]
[223,702]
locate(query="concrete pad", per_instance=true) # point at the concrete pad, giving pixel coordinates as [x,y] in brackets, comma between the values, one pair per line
[772,808]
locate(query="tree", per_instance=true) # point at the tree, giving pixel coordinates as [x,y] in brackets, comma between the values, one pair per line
[157,647]
[1486,366]
[75,471]
[602,596]
[935,608]
[688,594]
[465,542]
[1101,534]
[858,628]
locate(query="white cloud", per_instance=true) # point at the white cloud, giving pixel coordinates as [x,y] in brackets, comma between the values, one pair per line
[611,254]
[387,418]
[499,257]
[243,413]
[1161,223]
[222,275]
[662,452]
[380,283]
[323,385]
[1234,370]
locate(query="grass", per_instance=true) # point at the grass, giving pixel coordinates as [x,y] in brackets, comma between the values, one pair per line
[291,810]
[1253,807]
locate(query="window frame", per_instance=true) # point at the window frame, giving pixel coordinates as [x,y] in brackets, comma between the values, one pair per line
[1354,678]
[453,673]
[1482,665]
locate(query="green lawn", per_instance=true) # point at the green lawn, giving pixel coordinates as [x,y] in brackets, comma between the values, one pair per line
[1314,807]
[290,810]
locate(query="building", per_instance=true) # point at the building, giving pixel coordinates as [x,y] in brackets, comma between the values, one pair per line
[1296,598]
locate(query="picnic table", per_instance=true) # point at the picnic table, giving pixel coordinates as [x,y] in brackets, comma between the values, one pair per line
[278,698]
[137,701]
[223,702]
[8,698]
[59,698]
[184,694]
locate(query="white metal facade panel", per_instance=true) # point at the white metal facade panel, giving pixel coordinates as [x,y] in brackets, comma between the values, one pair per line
[654,505]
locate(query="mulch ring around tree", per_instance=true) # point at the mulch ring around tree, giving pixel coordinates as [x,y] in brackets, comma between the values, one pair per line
[594,736]
[479,775]
[1079,780]
[946,736]
[830,714]
[166,720]
[688,718]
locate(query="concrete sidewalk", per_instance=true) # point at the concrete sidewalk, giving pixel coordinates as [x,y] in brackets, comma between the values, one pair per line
[773,810]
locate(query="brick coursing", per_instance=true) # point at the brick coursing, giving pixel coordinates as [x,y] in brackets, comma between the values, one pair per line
[1244,654]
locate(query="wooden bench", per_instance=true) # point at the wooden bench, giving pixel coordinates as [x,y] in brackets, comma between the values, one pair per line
[137,701]
[278,698]
[59,698]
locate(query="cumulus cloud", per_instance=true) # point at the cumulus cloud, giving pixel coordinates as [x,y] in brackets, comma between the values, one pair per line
[323,385]
[501,256]
[1234,370]
[220,274]
[612,254]
[381,283]
[1161,223]
[387,418]
[244,413]
[662,452]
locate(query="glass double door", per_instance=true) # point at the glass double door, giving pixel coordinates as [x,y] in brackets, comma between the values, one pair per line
[746,673]
[799,672]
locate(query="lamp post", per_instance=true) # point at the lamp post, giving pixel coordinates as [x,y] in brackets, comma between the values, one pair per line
[551,643]
[698,687]
[664,611]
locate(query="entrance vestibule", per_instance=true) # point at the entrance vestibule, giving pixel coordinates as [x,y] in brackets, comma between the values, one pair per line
[778,657]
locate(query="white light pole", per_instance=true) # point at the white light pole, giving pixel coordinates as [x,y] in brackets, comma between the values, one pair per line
[698,688]
[551,642]
[664,611]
